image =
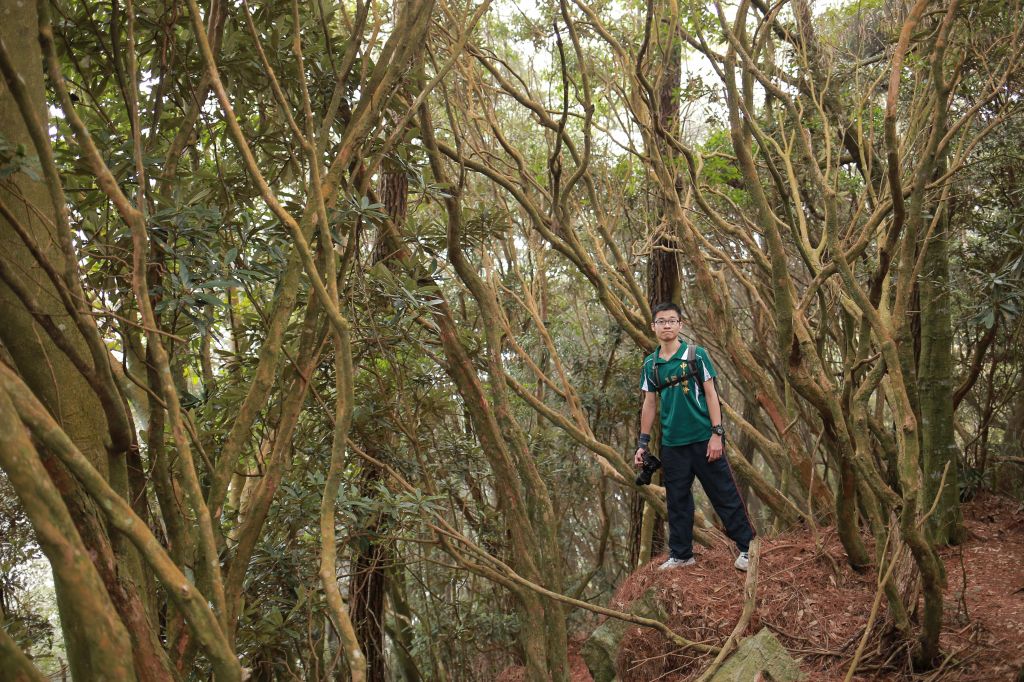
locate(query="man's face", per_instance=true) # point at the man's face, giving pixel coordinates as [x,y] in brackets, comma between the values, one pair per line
[666,325]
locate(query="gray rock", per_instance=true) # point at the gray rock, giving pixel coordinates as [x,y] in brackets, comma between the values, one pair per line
[761,657]
[602,647]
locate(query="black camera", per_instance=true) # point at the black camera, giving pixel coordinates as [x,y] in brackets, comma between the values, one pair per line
[651,464]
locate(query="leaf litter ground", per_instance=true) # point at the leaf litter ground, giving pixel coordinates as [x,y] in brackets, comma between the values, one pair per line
[817,606]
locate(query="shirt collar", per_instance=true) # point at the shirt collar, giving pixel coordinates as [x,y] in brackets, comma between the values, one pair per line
[678,355]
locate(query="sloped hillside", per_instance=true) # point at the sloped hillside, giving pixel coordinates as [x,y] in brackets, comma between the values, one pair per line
[817,607]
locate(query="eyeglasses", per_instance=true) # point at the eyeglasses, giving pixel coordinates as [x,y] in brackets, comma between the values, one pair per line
[666,322]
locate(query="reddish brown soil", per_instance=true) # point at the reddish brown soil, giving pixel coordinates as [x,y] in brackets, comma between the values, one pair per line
[986,574]
[817,606]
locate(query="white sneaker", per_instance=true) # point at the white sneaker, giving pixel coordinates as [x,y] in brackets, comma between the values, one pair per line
[676,563]
[742,561]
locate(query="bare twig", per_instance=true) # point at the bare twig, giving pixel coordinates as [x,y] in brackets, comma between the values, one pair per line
[749,605]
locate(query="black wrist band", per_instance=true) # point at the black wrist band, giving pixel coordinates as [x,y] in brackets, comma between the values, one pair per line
[643,441]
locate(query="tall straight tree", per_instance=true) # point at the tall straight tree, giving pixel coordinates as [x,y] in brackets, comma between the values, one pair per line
[663,60]
[936,383]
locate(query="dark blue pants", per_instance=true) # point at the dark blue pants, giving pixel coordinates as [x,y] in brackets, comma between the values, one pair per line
[681,463]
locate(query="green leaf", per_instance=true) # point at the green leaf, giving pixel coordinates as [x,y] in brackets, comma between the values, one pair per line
[211,299]
[220,284]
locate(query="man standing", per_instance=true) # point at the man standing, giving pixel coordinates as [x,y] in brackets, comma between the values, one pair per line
[691,440]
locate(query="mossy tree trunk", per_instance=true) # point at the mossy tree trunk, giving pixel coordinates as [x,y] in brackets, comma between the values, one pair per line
[935,380]
[56,349]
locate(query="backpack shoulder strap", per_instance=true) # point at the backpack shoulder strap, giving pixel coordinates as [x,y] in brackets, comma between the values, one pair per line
[653,359]
[691,357]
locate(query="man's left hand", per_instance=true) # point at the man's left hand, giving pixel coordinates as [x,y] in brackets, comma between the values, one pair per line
[715,447]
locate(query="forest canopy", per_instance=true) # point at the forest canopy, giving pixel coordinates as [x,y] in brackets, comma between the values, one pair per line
[321,323]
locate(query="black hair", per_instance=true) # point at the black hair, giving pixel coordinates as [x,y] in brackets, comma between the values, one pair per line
[667,305]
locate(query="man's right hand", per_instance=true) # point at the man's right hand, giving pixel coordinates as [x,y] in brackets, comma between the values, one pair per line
[642,441]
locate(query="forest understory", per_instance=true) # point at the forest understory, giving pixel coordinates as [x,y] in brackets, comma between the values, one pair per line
[323,329]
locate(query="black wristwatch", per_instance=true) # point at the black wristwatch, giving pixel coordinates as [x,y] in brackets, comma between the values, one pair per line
[718,430]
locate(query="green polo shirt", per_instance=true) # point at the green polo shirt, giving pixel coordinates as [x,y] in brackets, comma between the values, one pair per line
[684,413]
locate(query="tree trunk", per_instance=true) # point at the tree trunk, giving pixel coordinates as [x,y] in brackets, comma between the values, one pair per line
[45,368]
[368,584]
[935,381]
[49,371]
[369,579]
[663,282]
[97,642]
[402,631]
